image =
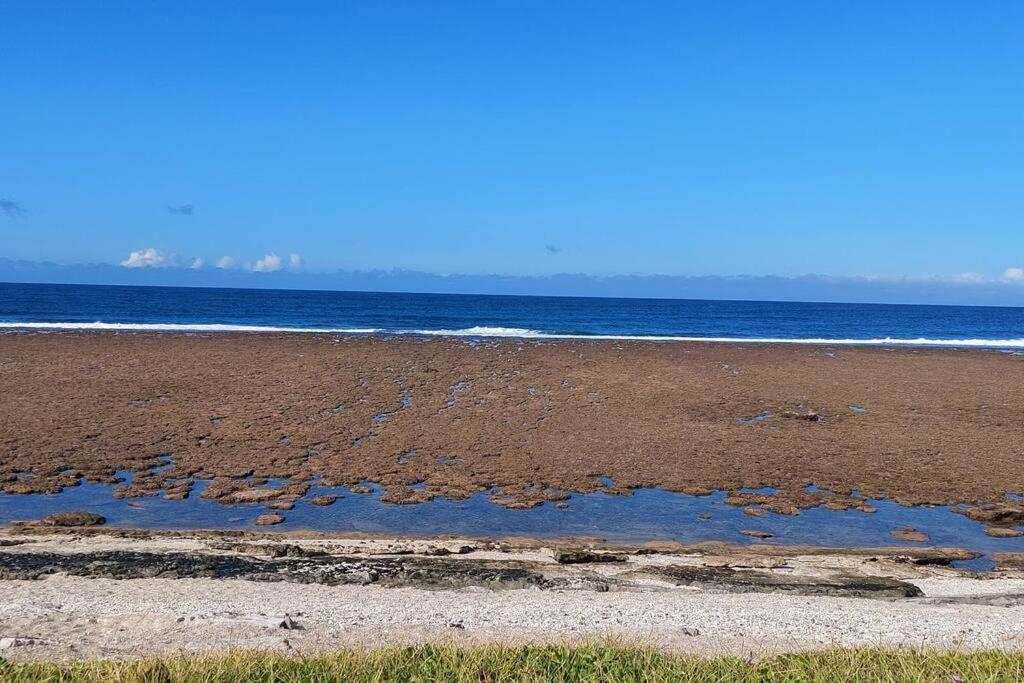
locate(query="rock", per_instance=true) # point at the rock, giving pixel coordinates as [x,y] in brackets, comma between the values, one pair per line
[258,495]
[323,501]
[585,557]
[269,519]
[134,492]
[755,512]
[750,562]
[1006,561]
[74,519]
[1007,514]
[360,489]
[436,551]
[10,642]
[281,505]
[809,416]
[1001,532]
[703,516]
[562,506]
[909,533]
[753,533]
[691,632]
[289,624]
[754,581]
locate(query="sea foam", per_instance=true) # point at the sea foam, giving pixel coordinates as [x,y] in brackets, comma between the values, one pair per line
[511,332]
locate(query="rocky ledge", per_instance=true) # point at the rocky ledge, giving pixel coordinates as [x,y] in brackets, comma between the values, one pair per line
[32,554]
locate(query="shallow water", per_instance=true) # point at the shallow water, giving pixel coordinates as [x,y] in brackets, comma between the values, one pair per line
[648,514]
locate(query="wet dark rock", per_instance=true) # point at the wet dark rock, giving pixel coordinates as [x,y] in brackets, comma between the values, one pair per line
[323,501]
[441,551]
[585,557]
[280,505]
[732,581]
[74,519]
[270,549]
[809,416]
[754,533]
[333,570]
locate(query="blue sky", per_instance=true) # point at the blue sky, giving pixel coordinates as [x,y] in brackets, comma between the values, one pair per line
[523,138]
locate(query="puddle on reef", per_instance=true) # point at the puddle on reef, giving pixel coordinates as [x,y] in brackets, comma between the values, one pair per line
[648,514]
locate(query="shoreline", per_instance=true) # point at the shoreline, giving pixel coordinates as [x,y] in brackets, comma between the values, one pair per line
[502,333]
[207,593]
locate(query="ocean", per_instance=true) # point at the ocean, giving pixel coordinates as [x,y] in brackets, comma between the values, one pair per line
[171,309]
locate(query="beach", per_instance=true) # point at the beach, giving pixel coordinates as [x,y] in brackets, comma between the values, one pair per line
[105,594]
[576,467]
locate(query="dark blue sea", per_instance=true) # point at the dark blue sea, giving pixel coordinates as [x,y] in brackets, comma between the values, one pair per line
[239,310]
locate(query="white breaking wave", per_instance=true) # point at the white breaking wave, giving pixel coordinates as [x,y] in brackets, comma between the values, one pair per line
[513,332]
[818,341]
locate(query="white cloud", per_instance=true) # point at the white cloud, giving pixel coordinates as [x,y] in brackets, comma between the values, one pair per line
[226,262]
[1014,275]
[148,258]
[267,264]
[197,264]
[294,261]
[967,278]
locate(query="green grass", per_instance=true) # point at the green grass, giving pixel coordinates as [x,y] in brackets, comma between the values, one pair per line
[595,662]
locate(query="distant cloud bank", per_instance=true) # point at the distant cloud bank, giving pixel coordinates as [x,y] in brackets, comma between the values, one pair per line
[152,266]
[152,257]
